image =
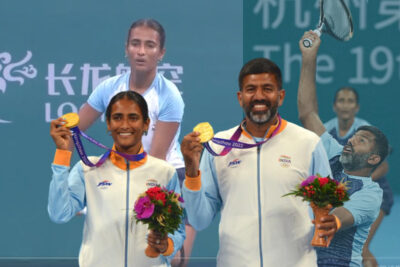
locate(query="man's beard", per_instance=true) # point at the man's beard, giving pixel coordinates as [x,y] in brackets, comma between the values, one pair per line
[261,117]
[354,161]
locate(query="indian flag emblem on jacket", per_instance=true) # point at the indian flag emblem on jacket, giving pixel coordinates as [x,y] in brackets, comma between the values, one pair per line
[151,183]
[285,161]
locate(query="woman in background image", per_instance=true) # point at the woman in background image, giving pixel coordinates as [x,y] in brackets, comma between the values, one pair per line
[145,47]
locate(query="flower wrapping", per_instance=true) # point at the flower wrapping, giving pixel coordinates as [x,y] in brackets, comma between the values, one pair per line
[160,209]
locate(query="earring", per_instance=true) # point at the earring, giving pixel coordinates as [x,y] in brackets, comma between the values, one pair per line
[108,132]
[144,132]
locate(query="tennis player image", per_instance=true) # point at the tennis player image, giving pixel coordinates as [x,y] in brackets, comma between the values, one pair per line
[352,163]
[342,127]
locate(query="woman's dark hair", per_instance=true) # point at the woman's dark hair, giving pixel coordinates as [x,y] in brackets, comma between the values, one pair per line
[130,95]
[152,24]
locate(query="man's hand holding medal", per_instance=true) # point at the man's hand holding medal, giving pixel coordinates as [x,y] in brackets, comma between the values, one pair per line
[192,147]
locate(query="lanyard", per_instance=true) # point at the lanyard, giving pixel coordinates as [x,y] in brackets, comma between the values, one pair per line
[234,143]
[76,133]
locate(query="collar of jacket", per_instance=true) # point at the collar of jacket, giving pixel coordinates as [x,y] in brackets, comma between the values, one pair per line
[120,161]
[269,131]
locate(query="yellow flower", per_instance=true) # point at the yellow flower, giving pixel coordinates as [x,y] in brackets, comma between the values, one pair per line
[160,220]
[175,198]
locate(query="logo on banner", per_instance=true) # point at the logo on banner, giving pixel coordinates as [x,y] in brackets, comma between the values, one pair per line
[67,83]
[15,72]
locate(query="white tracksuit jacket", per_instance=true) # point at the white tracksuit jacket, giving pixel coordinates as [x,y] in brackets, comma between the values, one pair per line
[258,226]
[111,238]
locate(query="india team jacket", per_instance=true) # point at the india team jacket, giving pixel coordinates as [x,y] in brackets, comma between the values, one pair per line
[258,226]
[110,235]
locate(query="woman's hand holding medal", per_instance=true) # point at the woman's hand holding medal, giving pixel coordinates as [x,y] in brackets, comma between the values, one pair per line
[59,130]
[192,147]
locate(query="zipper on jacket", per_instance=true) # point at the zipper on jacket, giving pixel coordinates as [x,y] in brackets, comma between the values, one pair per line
[127,213]
[259,206]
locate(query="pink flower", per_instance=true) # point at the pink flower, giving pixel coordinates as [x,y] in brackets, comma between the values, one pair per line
[308,181]
[144,208]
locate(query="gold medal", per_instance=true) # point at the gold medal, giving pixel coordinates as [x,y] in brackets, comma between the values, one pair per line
[72,119]
[205,130]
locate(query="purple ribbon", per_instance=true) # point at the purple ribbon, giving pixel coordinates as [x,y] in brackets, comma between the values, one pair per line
[76,133]
[234,143]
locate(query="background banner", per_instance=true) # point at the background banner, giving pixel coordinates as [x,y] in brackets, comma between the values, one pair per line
[52,56]
[369,62]
[54,53]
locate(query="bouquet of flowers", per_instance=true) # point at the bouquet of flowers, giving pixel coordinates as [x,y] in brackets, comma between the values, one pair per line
[323,193]
[161,210]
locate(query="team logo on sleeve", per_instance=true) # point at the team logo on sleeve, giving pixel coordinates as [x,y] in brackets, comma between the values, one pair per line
[151,183]
[104,184]
[234,163]
[285,161]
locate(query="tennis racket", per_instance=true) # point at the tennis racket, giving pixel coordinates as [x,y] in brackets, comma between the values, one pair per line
[334,19]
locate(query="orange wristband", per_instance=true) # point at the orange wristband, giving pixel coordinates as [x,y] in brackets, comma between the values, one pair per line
[170,248]
[338,223]
[62,157]
[193,183]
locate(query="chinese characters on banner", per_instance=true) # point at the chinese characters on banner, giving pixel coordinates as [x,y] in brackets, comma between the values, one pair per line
[372,62]
[63,81]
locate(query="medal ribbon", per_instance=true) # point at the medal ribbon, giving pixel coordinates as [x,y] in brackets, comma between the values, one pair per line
[234,143]
[76,133]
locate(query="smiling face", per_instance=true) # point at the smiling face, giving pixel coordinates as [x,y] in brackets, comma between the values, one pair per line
[260,98]
[346,106]
[127,126]
[143,49]
[358,153]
